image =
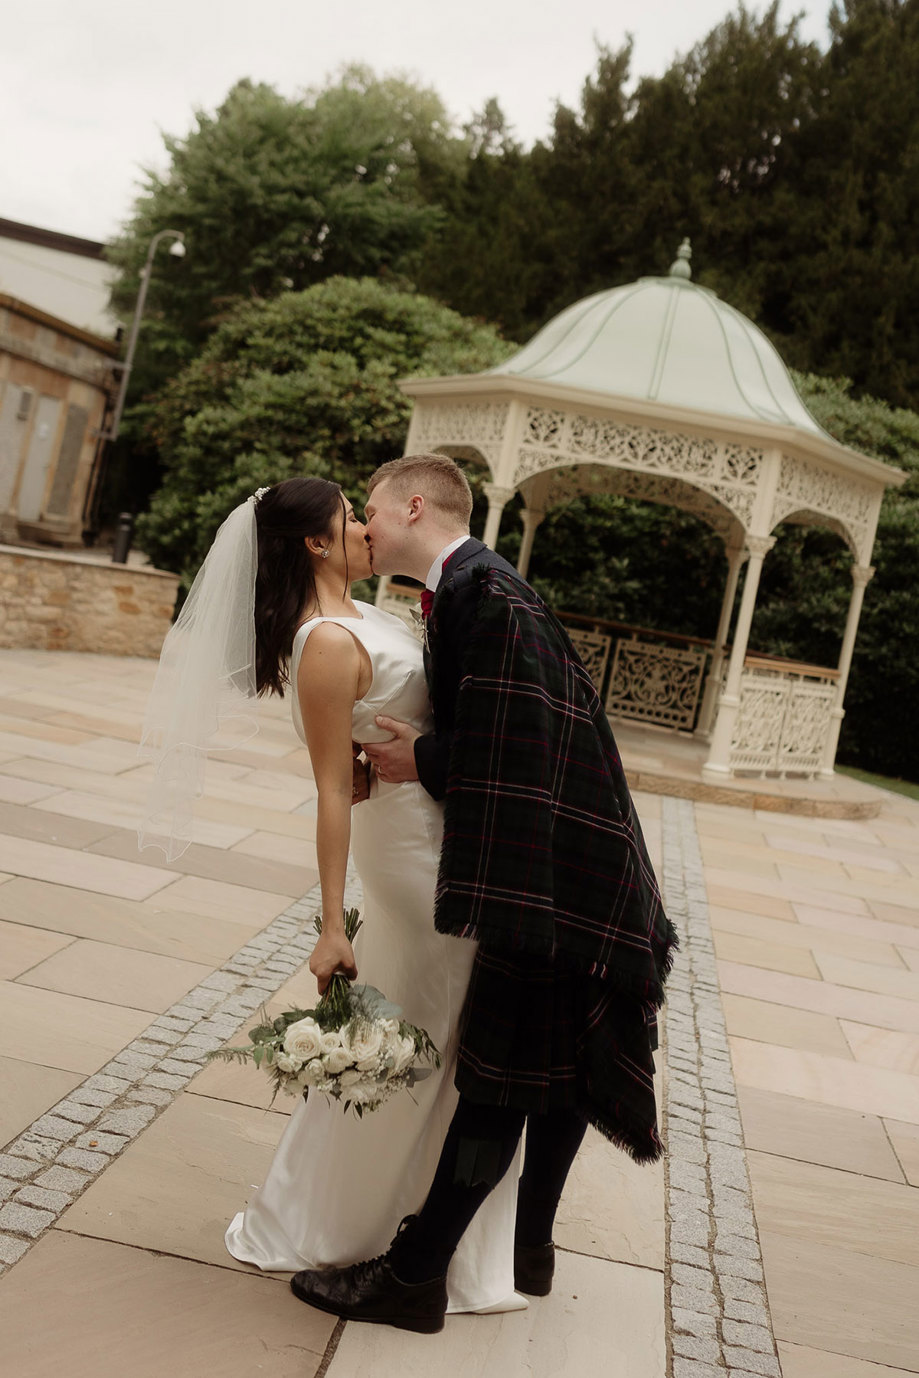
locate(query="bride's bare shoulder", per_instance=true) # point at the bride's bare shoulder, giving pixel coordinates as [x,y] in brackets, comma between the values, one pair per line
[333,664]
[328,638]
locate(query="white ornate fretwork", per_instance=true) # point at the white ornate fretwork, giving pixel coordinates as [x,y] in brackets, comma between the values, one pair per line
[655,684]
[782,723]
[817,496]
[589,479]
[560,438]
[464,427]
[593,648]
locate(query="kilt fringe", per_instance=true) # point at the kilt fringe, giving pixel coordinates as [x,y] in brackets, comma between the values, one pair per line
[633,1136]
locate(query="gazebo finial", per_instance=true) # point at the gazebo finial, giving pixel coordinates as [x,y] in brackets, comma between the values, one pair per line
[680,268]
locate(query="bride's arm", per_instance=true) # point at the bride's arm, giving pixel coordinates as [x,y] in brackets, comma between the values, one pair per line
[328,682]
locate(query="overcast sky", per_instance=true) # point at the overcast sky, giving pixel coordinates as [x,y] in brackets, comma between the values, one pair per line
[88,86]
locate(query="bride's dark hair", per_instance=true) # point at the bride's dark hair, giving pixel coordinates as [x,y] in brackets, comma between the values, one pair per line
[285,516]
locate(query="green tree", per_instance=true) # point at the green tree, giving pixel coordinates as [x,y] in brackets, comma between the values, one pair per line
[305,383]
[706,150]
[272,195]
[716,140]
[633,562]
[275,194]
[492,255]
[855,304]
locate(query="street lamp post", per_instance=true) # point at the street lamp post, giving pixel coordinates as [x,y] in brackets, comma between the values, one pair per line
[177,249]
[92,499]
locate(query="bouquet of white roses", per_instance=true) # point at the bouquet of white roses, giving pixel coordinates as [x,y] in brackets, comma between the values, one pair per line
[354,1045]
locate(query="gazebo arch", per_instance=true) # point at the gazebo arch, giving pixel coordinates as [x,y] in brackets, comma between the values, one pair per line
[659,390]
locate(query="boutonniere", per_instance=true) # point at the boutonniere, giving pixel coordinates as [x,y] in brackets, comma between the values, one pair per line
[420,627]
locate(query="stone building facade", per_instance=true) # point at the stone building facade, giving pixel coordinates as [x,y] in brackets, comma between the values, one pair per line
[55,382]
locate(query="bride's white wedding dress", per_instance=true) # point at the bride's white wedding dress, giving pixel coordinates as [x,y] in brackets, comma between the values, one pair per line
[338,1185]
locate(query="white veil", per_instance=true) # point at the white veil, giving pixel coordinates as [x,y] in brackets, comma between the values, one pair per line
[204,695]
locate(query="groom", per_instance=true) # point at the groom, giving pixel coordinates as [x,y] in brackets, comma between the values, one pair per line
[544,865]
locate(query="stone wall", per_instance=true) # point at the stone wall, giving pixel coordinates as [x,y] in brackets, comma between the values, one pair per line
[56,602]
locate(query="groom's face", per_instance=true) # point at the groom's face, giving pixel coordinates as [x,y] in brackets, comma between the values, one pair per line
[391,532]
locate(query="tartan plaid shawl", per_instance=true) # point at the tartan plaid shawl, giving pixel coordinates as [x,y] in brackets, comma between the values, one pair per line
[542,851]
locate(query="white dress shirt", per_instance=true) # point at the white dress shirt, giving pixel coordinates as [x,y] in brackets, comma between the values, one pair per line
[437,568]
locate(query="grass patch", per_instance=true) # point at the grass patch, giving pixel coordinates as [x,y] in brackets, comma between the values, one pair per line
[881,781]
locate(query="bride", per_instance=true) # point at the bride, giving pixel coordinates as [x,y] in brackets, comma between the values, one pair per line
[338,1186]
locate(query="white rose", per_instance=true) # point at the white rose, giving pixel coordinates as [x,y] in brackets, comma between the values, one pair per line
[362,1095]
[403,1057]
[350,1078]
[331,1041]
[303,1040]
[288,1063]
[314,1072]
[336,1061]
[362,1041]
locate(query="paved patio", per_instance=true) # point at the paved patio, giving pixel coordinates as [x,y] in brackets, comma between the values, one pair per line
[122,1155]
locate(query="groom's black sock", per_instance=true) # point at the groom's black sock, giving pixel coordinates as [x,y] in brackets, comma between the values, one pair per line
[552,1143]
[479,1148]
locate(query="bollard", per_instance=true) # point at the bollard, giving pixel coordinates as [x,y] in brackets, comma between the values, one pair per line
[123,533]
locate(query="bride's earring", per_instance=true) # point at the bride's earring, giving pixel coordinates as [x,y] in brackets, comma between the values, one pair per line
[325,554]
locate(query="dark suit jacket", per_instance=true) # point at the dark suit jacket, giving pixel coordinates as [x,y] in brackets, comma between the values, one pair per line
[449,627]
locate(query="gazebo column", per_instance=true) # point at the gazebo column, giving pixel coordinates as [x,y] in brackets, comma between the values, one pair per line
[719,759]
[498,497]
[736,556]
[861,575]
[531,518]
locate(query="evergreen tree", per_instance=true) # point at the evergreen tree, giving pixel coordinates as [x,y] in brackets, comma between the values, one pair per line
[304,383]
[855,306]
[272,195]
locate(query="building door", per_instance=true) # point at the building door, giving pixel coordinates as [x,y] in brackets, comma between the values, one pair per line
[14,418]
[38,460]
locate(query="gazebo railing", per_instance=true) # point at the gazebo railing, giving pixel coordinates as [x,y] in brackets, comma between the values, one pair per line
[654,677]
[402,600]
[784,717]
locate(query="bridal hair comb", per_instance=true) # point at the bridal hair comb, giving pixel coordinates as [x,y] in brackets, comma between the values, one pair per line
[259,493]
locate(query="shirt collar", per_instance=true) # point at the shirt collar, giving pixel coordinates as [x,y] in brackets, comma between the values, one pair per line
[437,568]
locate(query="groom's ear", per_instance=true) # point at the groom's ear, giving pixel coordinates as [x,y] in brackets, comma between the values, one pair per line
[415,507]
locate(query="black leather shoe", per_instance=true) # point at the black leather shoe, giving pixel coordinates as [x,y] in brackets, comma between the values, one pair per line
[371,1292]
[534,1266]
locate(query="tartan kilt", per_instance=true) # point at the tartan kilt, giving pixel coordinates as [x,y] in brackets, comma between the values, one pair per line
[540,1037]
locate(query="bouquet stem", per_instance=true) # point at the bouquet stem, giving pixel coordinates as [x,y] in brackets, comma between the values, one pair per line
[336,998]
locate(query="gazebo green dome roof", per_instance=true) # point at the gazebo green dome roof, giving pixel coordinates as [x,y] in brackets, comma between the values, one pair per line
[665,340]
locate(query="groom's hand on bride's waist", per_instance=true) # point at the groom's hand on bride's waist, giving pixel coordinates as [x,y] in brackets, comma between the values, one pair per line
[394,761]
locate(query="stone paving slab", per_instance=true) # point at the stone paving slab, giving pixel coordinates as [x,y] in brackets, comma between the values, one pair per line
[601,1318]
[846,1028]
[98,1119]
[120,1312]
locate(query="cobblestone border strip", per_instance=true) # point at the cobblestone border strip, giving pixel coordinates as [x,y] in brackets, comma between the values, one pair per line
[51,1163]
[717,1312]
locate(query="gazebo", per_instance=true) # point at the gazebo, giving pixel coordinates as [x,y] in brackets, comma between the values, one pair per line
[660,391]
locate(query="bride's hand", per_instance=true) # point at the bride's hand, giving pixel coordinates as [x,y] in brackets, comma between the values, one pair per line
[332,953]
